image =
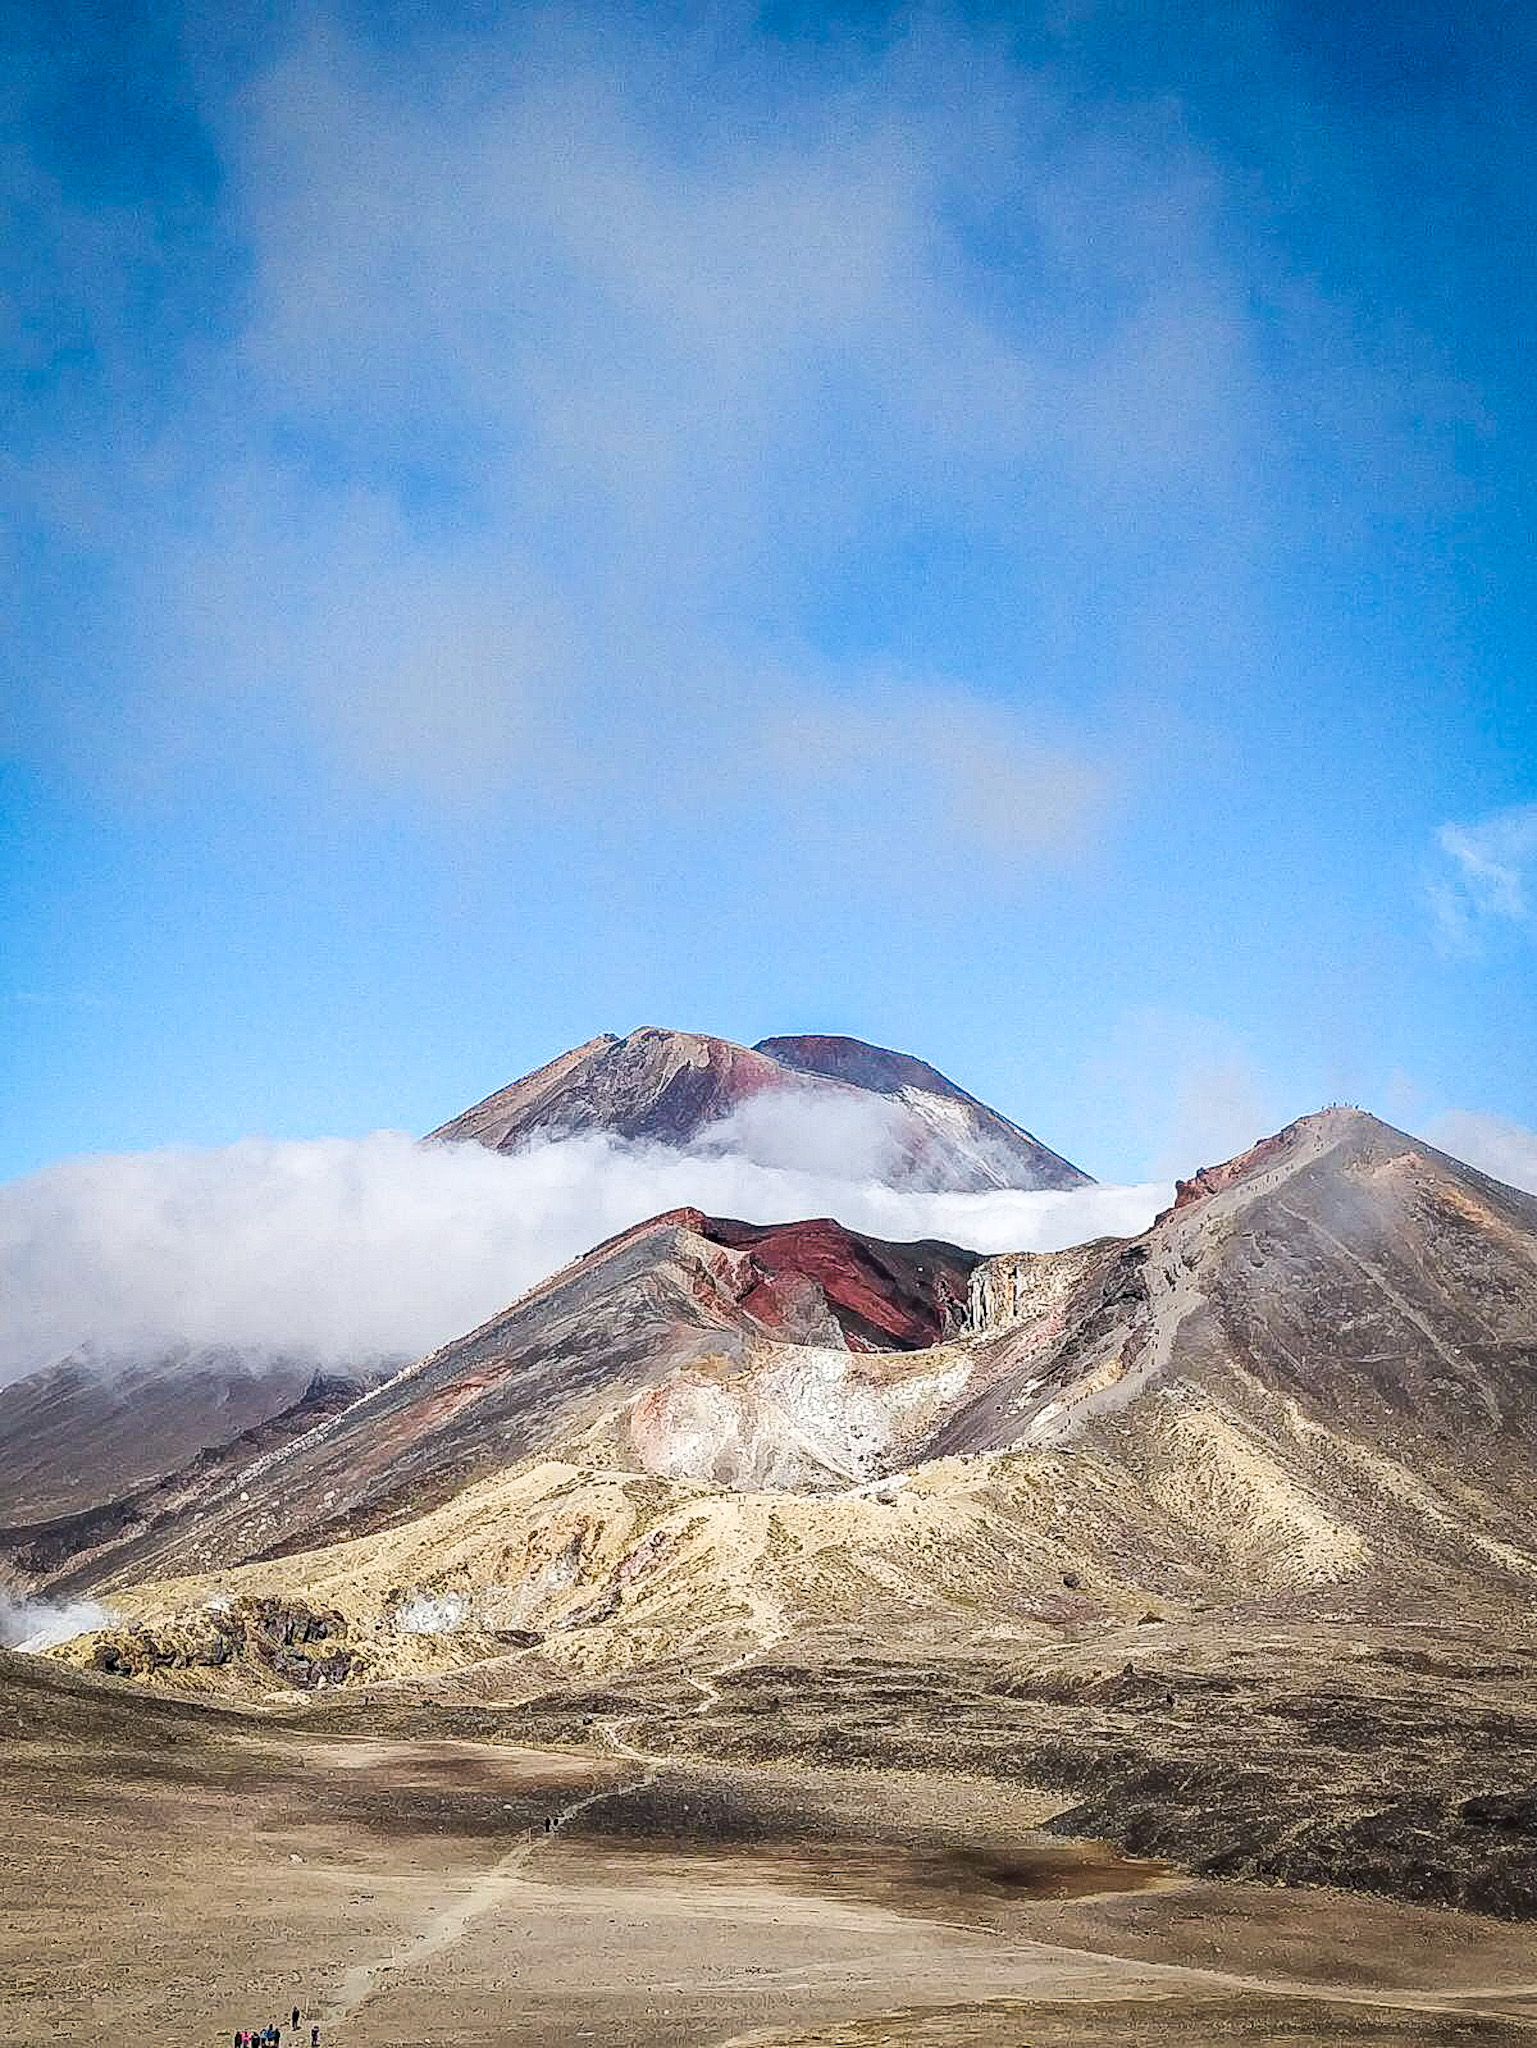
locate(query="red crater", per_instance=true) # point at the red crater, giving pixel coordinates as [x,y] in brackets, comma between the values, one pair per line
[886,1297]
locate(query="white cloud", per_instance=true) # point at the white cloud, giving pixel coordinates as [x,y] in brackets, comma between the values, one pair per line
[948,765]
[1494,1144]
[346,1248]
[1485,876]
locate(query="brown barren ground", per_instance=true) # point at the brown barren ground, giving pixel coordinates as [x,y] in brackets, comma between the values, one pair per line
[173,1872]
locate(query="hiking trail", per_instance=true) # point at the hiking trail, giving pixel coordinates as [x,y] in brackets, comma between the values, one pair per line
[450,1922]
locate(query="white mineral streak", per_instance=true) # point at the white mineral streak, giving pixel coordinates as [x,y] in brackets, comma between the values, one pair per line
[431,1614]
[1020,1287]
[795,1416]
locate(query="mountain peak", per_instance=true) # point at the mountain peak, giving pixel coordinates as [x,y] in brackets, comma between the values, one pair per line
[673,1088]
[1336,1128]
[838,1058]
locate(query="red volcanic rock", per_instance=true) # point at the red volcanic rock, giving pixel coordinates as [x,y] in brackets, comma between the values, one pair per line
[659,1085]
[678,1290]
[1349,1304]
[885,1297]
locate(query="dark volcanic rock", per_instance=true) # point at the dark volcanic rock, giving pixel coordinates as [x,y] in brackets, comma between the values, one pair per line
[861,1065]
[300,1645]
[1512,1812]
[1255,1751]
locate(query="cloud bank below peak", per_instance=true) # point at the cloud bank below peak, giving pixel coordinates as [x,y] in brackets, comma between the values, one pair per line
[347,1248]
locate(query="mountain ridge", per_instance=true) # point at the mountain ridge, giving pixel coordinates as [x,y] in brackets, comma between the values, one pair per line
[1286,1312]
[1224,1531]
[556,1365]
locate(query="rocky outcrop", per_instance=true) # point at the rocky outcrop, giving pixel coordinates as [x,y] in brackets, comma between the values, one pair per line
[294,1643]
[1212,1180]
[1031,1288]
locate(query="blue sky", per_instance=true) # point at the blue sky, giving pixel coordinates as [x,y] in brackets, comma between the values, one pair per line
[1007,534]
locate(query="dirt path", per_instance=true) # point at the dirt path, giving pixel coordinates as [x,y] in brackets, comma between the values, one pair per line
[451,1922]
[708,1688]
[1141,1977]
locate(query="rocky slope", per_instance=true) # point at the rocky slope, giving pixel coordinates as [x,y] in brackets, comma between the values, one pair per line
[87,1433]
[1018,1618]
[570,1365]
[1314,1375]
[677,1088]
[1325,1350]
[87,1429]
[51,1556]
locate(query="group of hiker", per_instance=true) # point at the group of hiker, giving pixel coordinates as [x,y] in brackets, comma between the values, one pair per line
[272,2036]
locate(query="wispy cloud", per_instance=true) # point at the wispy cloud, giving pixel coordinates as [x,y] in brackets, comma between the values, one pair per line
[567,376]
[342,1249]
[1190,1087]
[1483,877]
[33,1625]
[582,396]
